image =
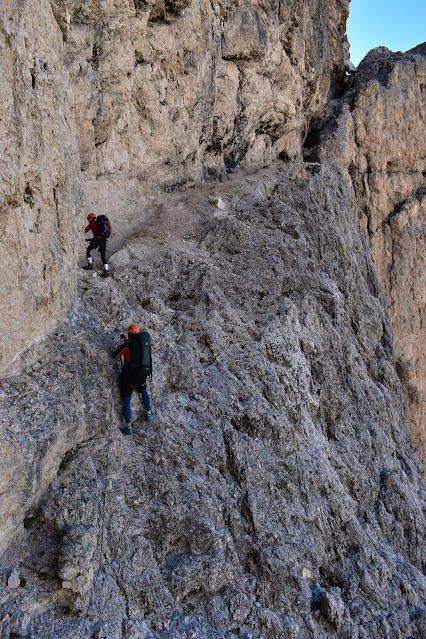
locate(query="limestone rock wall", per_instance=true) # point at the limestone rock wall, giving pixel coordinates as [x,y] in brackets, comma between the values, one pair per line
[275,494]
[106,103]
[376,133]
[171,93]
[40,177]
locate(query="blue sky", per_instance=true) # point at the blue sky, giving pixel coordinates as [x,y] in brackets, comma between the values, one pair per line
[398,25]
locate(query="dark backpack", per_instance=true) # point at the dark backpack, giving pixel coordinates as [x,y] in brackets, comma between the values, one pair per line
[104,226]
[140,354]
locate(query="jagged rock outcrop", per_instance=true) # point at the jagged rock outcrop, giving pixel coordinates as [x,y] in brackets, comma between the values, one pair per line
[275,495]
[104,101]
[376,133]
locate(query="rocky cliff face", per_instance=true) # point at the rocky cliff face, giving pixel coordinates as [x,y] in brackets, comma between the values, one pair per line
[275,494]
[40,186]
[104,103]
[170,92]
[376,133]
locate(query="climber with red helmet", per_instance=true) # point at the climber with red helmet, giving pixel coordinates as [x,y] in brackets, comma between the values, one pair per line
[134,352]
[98,241]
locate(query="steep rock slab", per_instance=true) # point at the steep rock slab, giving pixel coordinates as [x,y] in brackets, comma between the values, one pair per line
[276,493]
[39,181]
[377,134]
[170,93]
[46,413]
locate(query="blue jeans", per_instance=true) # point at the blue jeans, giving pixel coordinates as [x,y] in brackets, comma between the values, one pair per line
[126,405]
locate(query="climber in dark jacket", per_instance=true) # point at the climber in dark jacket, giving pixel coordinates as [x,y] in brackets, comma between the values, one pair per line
[134,373]
[97,242]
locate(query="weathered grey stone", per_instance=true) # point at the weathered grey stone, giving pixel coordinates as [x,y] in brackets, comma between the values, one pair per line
[332,606]
[40,182]
[275,493]
[375,133]
[5,627]
[74,567]
[13,579]
[104,104]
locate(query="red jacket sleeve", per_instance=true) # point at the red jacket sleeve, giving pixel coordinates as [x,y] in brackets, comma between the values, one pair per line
[122,350]
[92,226]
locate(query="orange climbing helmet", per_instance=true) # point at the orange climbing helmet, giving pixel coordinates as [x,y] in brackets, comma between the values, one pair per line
[91,216]
[133,328]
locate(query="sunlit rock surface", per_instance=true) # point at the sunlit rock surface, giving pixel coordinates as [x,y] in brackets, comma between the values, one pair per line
[40,182]
[376,133]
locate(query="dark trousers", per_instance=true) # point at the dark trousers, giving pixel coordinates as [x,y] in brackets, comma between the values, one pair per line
[127,385]
[100,244]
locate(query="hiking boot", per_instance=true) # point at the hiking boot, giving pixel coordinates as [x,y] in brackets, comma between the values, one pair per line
[149,415]
[105,274]
[88,267]
[127,430]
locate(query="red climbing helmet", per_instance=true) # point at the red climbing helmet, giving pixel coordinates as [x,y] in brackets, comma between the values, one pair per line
[91,216]
[133,328]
